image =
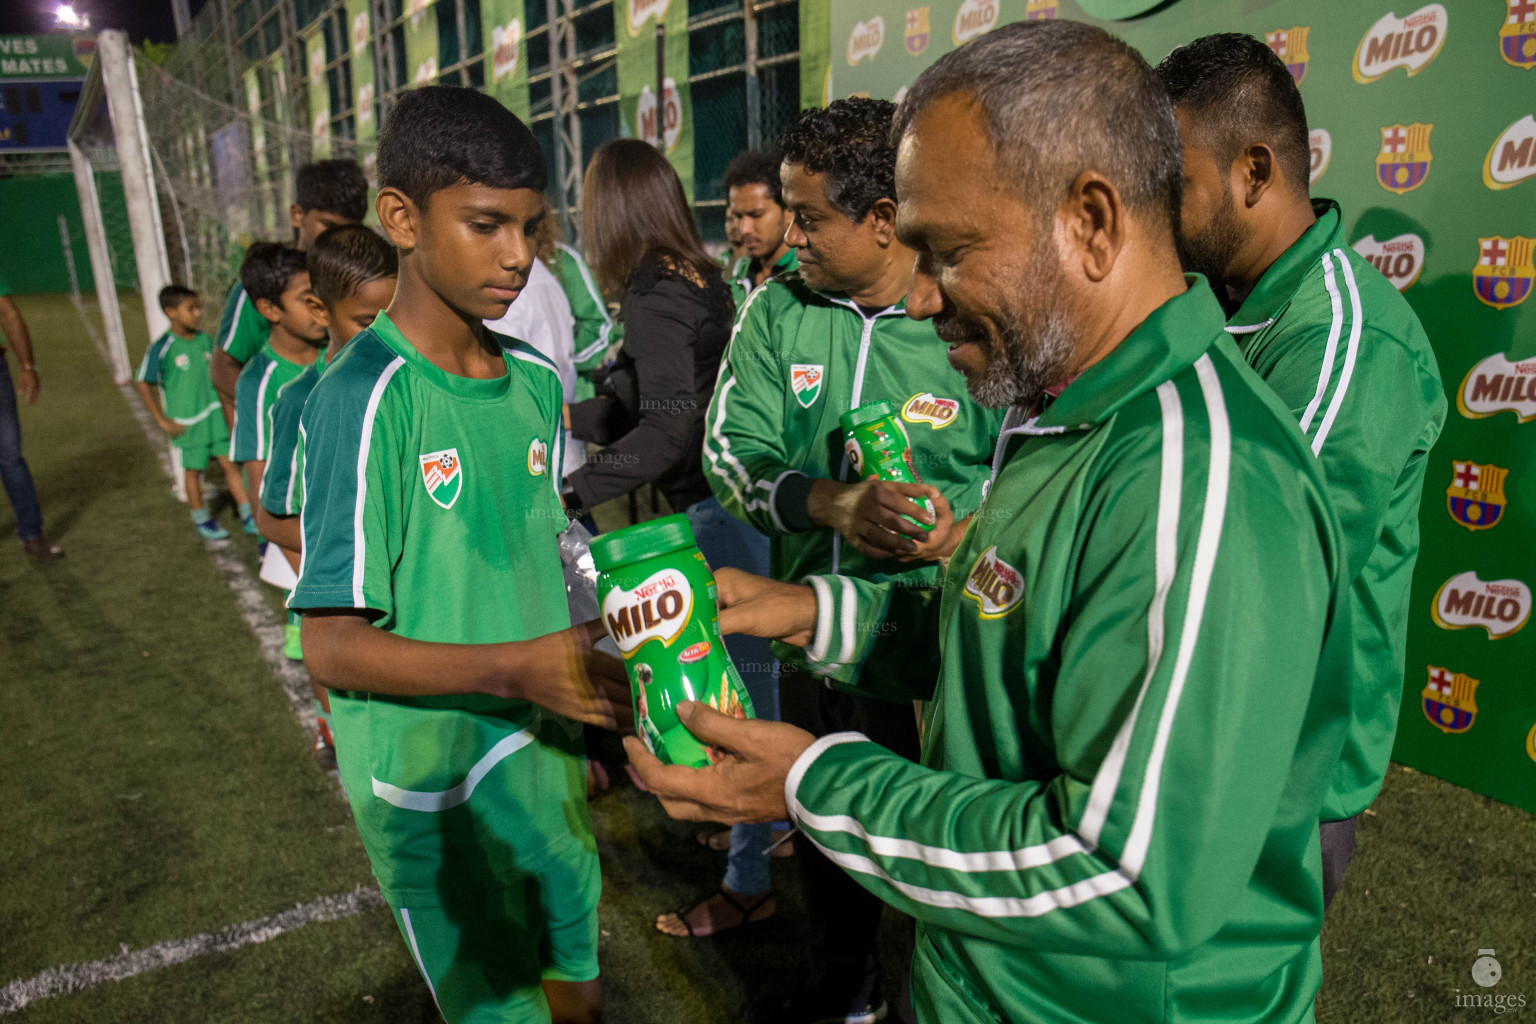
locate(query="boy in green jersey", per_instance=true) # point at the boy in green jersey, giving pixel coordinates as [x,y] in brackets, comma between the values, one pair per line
[326,193]
[431,589]
[353,272]
[1339,345]
[277,280]
[187,409]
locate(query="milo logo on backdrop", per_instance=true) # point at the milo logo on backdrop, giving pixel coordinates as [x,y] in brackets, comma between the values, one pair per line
[1399,259]
[658,609]
[1498,385]
[865,40]
[1499,606]
[1393,42]
[1321,145]
[641,11]
[974,18]
[1512,157]
[504,46]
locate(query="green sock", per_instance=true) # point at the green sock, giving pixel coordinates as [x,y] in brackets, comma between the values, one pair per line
[245,510]
[200,516]
[293,616]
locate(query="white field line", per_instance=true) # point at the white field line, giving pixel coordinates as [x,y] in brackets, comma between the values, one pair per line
[57,981]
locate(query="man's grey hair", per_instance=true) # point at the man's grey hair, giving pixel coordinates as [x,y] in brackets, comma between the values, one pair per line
[1059,98]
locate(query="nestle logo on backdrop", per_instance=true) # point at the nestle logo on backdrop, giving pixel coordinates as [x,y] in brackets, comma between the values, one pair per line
[1400,259]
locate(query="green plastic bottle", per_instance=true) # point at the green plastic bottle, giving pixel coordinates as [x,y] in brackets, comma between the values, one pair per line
[657,598]
[878,447]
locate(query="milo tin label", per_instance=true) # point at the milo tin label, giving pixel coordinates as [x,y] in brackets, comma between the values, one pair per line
[881,449]
[661,614]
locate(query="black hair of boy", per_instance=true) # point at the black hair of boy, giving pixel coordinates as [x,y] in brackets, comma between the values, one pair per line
[755,167]
[345,258]
[173,295]
[332,186]
[848,141]
[268,268]
[440,136]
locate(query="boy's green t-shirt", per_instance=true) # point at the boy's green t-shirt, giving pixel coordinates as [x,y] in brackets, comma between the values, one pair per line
[179,368]
[242,331]
[262,380]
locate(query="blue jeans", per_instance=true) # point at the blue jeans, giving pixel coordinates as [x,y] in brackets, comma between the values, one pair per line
[14,475]
[728,542]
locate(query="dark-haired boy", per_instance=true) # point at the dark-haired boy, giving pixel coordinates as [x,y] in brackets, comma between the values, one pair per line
[326,193]
[432,594]
[756,199]
[1339,345]
[277,280]
[187,409]
[809,346]
[352,273]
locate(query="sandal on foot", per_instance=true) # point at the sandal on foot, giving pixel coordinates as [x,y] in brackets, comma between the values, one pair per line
[746,913]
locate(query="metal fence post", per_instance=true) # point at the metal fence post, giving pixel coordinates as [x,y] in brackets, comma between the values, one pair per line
[754,107]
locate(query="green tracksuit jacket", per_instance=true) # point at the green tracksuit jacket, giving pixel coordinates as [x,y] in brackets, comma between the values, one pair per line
[1137,711]
[798,359]
[1347,354]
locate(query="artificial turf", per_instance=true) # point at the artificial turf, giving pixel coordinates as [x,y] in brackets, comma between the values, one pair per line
[154,785]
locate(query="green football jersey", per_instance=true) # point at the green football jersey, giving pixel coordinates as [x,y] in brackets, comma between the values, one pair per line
[441,515]
[1347,354]
[1140,699]
[596,330]
[262,381]
[179,368]
[282,485]
[797,360]
[242,331]
[739,276]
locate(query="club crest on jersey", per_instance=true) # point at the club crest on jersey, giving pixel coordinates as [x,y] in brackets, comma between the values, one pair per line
[1512,157]
[995,586]
[1466,601]
[1476,494]
[1040,10]
[1290,45]
[1504,271]
[443,475]
[182,362]
[917,33]
[1517,36]
[1403,163]
[974,18]
[538,457]
[1498,385]
[1321,145]
[930,409]
[805,381]
[865,40]
[1394,42]
[1399,259]
[1450,699]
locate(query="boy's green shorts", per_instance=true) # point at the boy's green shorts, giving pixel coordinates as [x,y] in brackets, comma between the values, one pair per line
[203,440]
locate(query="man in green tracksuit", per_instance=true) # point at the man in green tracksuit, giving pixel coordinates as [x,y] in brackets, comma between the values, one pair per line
[1343,350]
[807,348]
[1138,703]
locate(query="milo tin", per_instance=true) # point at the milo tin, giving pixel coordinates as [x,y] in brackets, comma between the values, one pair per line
[878,447]
[657,598]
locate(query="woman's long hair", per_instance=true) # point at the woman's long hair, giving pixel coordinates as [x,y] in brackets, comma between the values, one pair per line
[633,204]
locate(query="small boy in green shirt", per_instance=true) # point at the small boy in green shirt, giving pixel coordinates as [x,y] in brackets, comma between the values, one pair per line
[187,408]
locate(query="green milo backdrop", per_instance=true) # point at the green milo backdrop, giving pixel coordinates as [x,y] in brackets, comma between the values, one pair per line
[1423,125]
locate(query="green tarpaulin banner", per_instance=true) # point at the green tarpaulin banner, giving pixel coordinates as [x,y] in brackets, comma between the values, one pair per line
[506,49]
[634,30]
[360,31]
[47,56]
[260,173]
[421,42]
[815,52]
[1423,126]
[282,179]
[319,96]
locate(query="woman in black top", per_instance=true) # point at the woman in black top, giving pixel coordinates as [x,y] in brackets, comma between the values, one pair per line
[677,312]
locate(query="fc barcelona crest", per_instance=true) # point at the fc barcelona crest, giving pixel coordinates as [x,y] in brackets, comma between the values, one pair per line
[443,474]
[805,381]
[1403,163]
[1517,36]
[917,33]
[1450,700]
[1290,45]
[1505,269]
[1476,494]
[1040,10]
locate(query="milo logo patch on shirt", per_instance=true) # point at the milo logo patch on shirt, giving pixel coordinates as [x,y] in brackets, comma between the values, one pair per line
[994,585]
[658,609]
[538,457]
[930,409]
